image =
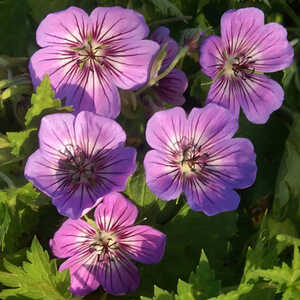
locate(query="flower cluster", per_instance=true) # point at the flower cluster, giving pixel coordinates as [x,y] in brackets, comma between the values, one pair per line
[83,163]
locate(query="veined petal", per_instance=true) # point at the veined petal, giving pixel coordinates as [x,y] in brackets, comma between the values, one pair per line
[224,92]
[163,176]
[115,212]
[56,132]
[142,243]
[161,35]
[116,166]
[210,125]
[238,26]
[92,91]
[95,133]
[212,56]
[115,24]
[270,49]
[130,63]
[73,200]
[211,198]
[119,275]
[84,272]
[259,96]
[42,170]
[72,238]
[232,162]
[171,87]
[166,129]
[63,28]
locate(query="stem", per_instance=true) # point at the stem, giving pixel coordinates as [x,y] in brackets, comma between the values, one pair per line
[7,180]
[173,64]
[171,20]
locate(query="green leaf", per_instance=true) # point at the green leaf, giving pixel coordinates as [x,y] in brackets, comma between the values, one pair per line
[5,220]
[187,234]
[22,142]
[167,8]
[237,294]
[288,180]
[19,141]
[203,280]
[159,294]
[43,102]
[38,277]
[184,291]
[20,204]
[149,205]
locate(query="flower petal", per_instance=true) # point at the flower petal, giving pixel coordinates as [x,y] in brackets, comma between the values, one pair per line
[56,132]
[115,212]
[232,162]
[63,28]
[42,171]
[238,26]
[224,92]
[119,276]
[211,198]
[165,129]
[259,96]
[163,176]
[95,133]
[161,35]
[84,272]
[130,63]
[212,56]
[114,24]
[210,125]
[270,49]
[92,91]
[142,243]
[171,87]
[75,200]
[72,238]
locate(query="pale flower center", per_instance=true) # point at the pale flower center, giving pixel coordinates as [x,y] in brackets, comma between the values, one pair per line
[192,160]
[239,65]
[90,53]
[104,242]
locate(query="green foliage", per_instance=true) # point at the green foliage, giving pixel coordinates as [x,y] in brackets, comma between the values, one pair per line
[288,182]
[149,205]
[42,103]
[38,277]
[19,216]
[167,8]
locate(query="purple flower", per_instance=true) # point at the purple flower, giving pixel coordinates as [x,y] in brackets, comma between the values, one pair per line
[102,256]
[88,57]
[80,159]
[171,87]
[236,61]
[199,156]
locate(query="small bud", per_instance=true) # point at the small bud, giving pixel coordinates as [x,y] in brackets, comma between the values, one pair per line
[191,38]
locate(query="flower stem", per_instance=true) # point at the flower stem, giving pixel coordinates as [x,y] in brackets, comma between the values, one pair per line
[173,64]
[171,20]
[7,180]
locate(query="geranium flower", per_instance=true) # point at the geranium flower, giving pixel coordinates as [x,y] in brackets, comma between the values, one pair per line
[88,57]
[102,255]
[79,160]
[171,87]
[236,61]
[199,156]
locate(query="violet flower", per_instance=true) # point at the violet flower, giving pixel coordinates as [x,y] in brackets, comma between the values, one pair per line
[237,60]
[80,159]
[199,156]
[88,57]
[103,256]
[171,87]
